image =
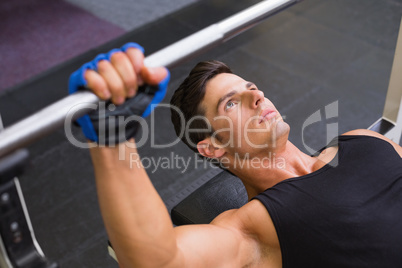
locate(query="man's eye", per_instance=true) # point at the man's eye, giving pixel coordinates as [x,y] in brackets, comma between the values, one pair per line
[229,105]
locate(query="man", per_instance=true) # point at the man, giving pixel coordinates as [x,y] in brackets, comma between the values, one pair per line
[309,212]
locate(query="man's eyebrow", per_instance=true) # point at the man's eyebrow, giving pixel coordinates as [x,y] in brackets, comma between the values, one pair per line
[231,93]
[250,84]
[226,96]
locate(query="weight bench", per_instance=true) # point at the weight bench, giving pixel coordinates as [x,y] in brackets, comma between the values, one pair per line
[222,192]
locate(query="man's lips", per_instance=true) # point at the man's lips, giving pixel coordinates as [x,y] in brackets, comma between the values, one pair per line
[267,114]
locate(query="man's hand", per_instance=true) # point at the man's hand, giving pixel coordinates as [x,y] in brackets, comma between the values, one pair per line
[121,77]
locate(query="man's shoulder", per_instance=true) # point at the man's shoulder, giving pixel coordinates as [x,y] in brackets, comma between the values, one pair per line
[248,212]
[366,132]
[362,132]
[252,220]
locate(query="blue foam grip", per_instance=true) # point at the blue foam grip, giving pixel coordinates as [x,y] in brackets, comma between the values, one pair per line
[134,45]
[159,95]
[78,82]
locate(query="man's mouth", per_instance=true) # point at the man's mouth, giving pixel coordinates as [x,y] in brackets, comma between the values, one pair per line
[267,114]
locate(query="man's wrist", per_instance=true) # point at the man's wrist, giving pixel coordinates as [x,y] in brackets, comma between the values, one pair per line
[122,151]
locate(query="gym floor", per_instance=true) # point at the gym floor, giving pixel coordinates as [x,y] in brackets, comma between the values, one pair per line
[315,55]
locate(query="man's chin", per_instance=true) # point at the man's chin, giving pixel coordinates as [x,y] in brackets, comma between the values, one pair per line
[282,129]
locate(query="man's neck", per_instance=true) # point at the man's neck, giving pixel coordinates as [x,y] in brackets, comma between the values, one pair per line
[261,173]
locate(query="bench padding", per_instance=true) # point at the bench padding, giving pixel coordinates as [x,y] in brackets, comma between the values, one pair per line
[223,192]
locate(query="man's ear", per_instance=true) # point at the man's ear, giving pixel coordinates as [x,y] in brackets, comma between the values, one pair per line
[207,149]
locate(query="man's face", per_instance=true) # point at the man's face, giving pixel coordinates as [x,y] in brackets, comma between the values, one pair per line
[244,120]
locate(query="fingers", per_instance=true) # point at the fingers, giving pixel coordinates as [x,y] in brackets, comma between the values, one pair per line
[153,76]
[113,80]
[136,58]
[125,69]
[97,84]
[120,77]
[116,79]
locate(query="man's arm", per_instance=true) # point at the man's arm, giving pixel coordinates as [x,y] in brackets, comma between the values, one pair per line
[140,229]
[366,132]
[135,217]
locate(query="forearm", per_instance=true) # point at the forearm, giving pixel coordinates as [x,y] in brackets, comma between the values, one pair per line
[135,217]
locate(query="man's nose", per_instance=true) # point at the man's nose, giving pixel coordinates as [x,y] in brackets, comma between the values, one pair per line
[256,97]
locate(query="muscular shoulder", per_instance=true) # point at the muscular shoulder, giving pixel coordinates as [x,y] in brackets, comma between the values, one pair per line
[367,132]
[236,238]
[253,221]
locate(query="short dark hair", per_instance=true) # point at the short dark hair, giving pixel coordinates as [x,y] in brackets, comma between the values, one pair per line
[188,97]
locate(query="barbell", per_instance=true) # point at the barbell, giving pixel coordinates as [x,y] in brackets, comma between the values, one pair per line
[53,116]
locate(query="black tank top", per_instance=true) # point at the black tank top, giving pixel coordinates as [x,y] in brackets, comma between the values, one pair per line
[346,214]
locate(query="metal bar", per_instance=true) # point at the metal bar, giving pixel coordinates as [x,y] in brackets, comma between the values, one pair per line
[216,34]
[390,124]
[393,102]
[52,117]
[1,124]
[394,93]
